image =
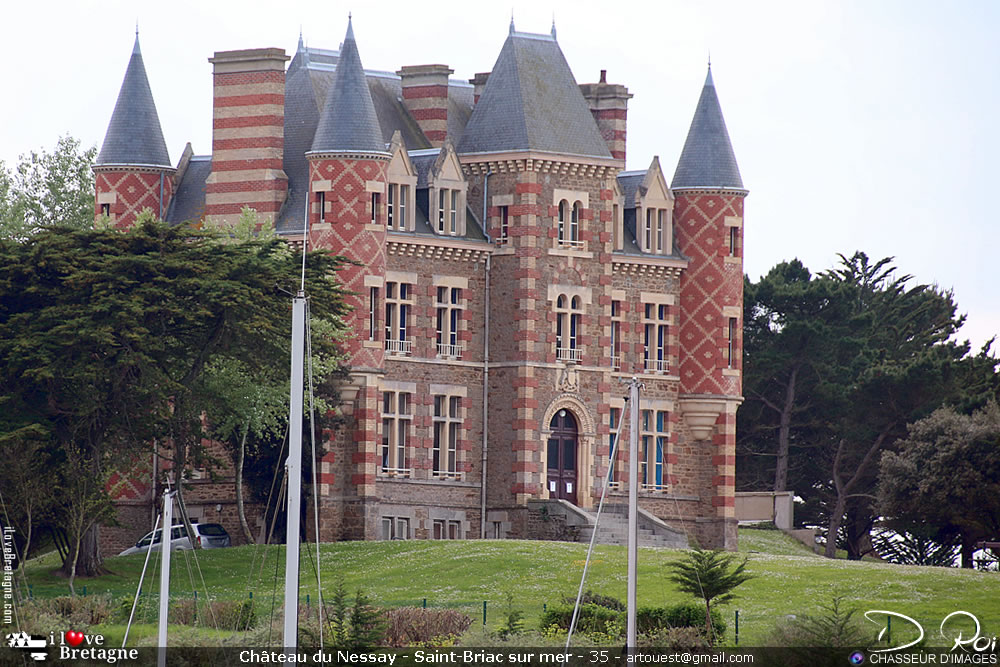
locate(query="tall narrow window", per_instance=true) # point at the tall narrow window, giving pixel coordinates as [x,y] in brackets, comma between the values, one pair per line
[731,335]
[372,313]
[653,445]
[734,235]
[106,209]
[321,205]
[563,220]
[398,298]
[390,209]
[448,303]
[447,423]
[404,196]
[504,225]
[375,202]
[568,328]
[574,222]
[655,337]
[442,198]
[616,335]
[397,415]
[659,230]
[649,230]
[454,212]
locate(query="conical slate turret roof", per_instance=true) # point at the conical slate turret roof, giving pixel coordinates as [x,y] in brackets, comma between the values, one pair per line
[134,136]
[348,121]
[707,160]
[532,102]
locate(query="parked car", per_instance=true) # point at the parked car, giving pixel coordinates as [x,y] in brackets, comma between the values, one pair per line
[208,535]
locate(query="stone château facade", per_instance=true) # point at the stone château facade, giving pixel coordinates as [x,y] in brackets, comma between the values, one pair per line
[510,274]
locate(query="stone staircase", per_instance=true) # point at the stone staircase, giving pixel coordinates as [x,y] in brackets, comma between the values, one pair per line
[613,528]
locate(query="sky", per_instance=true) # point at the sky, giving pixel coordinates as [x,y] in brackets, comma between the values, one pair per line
[857,124]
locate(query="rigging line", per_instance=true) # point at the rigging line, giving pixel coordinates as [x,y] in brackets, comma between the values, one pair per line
[262,538]
[208,598]
[315,464]
[274,517]
[138,590]
[305,239]
[274,582]
[597,521]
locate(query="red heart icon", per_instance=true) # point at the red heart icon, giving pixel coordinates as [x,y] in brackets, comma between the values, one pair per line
[74,638]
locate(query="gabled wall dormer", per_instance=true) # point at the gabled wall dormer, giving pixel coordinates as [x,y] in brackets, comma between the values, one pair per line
[654,207]
[401,188]
[447,196]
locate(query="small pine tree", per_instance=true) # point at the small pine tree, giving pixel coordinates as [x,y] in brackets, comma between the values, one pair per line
[709,575]
[367,628]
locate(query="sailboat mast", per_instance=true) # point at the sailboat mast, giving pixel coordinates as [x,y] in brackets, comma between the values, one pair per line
[293,467]
[633,509]
[166,532]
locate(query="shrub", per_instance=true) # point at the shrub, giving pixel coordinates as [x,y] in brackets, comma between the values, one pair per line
[835,628]
[592,618]
[75,611]
[591,597]
[182,612]
[414,626]
[235,615]
[674,638]
[650,620]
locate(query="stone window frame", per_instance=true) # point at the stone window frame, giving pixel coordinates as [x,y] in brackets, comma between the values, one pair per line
[452,431]
[569,217]
[400,202]
[398,525]
[453,312]
[441,219]
[582,296]
[661,317]
[617,320]
[399,302]
[654,226]
[395,422]
[648,428]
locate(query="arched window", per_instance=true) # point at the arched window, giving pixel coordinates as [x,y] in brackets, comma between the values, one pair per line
[574,222]
[568,327]
[563,219]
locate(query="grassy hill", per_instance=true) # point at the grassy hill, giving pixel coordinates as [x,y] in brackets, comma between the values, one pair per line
[789,579]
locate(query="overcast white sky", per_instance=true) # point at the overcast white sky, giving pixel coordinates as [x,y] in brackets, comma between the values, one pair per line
[857,125]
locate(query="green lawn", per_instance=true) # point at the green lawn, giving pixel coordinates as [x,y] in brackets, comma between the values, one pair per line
[462,574]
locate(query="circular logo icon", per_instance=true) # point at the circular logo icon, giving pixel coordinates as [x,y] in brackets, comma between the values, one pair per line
[857,658]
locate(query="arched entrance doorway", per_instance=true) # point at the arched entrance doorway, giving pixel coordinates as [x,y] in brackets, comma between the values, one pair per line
[562,458]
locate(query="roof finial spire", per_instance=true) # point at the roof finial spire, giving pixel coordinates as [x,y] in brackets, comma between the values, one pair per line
[553,25]
[350,28]
[710,59]
[302,46]
[135,47]
[512,20]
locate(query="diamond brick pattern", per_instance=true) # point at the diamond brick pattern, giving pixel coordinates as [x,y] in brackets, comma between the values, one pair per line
[345,233]
[134,191]
[707,286]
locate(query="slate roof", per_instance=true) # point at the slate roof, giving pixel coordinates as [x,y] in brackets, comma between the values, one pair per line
[188,200]
[629,182]
[707,159]
[532,102]
[310,77]
[134,135]
[348,121]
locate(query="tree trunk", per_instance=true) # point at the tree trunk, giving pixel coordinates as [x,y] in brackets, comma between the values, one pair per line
[708,623]
[968,549]
[784,434]
[836,518]
[85,558]
[240,455]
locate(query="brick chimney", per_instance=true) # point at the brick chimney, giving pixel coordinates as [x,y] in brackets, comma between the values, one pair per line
[609,104]
[425,95]
[478,84]
[248,134]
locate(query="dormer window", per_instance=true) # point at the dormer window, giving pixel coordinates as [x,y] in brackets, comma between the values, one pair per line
[656,233]
[396,206]
[450,213]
